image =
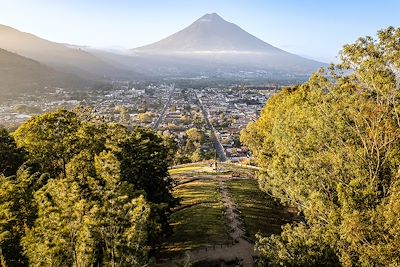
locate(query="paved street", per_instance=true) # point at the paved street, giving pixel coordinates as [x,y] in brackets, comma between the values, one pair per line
[217,144]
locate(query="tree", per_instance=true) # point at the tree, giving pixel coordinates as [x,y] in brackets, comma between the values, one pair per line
[108,225]
[124,217]
[185,119]
[11,157]
[61,235]
[17,212]
[50,140]
[53,139]
[145,117]
[108,200]
[124,114]
[143,164]
[331,148]
[195,135]
[172,147]
[197,155]
[142,156]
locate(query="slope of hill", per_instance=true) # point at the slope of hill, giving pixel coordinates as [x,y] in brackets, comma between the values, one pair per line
[59,56]
[19,75]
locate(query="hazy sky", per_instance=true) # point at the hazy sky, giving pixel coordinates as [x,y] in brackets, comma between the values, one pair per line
[316,29]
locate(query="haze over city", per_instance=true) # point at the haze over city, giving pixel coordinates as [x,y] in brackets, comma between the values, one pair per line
[313,29]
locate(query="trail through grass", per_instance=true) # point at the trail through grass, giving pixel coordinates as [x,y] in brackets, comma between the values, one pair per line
[199,221]
[261,214]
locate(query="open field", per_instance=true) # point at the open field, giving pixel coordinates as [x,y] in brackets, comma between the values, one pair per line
[205,168]
[184,170]
[221,211]
[199,220]
[260,213]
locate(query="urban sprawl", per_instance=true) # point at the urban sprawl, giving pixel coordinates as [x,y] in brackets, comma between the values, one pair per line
[205,122]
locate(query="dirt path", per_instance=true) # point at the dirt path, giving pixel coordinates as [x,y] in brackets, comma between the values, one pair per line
[240,249]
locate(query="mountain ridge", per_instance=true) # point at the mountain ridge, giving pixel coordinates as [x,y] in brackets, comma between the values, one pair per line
[19,75]
[76,61]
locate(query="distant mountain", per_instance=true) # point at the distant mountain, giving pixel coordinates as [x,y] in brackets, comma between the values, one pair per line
[59,56]
[215,44]
[210,47]
[19,75]
[211,33]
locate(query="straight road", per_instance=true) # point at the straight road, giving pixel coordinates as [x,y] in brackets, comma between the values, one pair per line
[217,144]
[166,106]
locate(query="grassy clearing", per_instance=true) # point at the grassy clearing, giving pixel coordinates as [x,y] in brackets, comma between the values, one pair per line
[237,170]
[197,191]
[199,221]
[184,170]
[258,210]
[199,226]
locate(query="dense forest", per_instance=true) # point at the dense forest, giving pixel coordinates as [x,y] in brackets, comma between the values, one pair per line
[331,148]
[76,190]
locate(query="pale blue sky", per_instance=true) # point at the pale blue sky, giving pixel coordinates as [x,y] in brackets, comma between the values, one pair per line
[314,28]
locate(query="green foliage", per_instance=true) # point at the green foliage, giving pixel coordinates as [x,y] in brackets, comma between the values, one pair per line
[62,234]
[11,157]
[107,202]
[197,155]
[124,114]
[297,246]
[172,147]
[124,217]
[50,140]
[17,212]
[146,117]
[331,148]
[195,135]
[190,148]
[142,157]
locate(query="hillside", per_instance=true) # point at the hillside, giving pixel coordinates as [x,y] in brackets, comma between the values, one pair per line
[59,56]
[19,75]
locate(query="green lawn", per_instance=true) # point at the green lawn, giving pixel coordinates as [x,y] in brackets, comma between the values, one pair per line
[199,221]
[194,190]
[184,170]
[258,210]
[237,170]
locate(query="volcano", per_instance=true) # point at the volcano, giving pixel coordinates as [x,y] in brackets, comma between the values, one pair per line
[214,43]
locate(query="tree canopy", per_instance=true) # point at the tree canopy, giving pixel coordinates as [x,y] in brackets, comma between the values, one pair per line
[11,158]
[87,192]
[331,148]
